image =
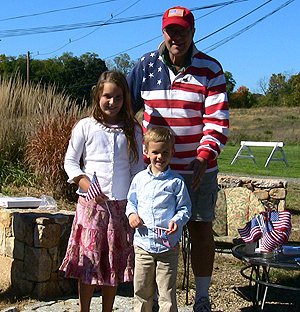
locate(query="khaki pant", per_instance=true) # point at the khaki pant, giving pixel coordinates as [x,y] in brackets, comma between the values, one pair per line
[155,271]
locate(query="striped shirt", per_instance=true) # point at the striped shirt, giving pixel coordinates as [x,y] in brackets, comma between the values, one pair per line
[192,103]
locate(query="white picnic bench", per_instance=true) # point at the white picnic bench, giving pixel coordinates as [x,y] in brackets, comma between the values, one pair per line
[245,146]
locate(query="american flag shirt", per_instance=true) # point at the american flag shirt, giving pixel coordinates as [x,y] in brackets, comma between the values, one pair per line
[192,103]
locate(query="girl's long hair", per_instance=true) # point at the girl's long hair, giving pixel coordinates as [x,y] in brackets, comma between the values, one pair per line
[125,115]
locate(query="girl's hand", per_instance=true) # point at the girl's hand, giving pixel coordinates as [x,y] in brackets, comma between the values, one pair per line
[172,227]
[135,221]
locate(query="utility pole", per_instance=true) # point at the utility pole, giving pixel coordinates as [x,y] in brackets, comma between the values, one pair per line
[28,67]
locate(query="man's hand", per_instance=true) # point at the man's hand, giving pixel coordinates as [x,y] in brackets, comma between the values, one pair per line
[198,166]
[135,221]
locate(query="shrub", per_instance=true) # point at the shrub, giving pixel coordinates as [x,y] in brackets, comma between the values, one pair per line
[14,174]
[45,154]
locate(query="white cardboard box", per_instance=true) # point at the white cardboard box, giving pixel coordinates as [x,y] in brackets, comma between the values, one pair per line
[20,202]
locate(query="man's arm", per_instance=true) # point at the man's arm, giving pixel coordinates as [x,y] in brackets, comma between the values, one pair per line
[216,123]
[134,79]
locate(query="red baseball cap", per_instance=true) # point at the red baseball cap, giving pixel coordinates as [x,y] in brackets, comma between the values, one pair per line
[179,16]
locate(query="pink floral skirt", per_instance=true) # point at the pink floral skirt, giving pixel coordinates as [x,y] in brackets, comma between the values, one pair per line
[100,250]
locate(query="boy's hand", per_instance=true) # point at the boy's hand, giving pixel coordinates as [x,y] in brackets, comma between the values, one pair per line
[135,221]
[172,227]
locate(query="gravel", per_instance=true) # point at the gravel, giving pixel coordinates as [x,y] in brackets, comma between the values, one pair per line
[227,286]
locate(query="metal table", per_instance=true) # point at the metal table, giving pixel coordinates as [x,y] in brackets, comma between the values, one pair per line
[260,265]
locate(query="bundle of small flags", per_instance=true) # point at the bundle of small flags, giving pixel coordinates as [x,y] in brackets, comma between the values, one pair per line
[276,229]
[161,234]
[94,189]
[271,228]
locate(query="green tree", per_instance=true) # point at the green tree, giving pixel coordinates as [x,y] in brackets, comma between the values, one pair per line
[230,83]
[75,75]
[277,84]
[122,63]
[10,66]
[293,96]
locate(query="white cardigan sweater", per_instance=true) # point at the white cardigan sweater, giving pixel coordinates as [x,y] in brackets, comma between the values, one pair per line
[104,151]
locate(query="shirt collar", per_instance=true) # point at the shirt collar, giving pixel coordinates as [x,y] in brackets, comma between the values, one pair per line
[163,51]
[161,175]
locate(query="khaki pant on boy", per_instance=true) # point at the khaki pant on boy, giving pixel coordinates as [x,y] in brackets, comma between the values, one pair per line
[155,271]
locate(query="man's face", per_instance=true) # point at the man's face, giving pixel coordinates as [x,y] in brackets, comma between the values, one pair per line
[178,39]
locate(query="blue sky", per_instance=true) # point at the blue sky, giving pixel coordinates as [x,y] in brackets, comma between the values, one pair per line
[269,46]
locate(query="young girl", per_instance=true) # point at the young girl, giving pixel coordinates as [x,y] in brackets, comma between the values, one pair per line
[109,143]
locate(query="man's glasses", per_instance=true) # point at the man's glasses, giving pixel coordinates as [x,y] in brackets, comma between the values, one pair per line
[177,32]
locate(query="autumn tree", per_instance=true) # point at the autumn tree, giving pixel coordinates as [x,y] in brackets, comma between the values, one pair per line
[242,98]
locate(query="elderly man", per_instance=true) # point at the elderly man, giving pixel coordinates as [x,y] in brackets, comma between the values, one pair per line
[184,89]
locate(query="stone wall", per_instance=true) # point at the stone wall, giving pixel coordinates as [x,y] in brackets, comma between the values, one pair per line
[271,192]
[36,241]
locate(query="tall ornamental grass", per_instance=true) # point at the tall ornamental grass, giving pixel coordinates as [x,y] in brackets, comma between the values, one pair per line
[34,130]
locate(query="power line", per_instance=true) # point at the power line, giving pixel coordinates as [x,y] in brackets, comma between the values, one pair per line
[208,49]
[218,44]
[110,21]
[154,38]
[229,38]
[98,24]
[54,11]
[221,42]
[70,41]
[209,35]
[235,21]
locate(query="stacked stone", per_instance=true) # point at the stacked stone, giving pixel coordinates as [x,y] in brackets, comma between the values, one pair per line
[271,192]
[36,241]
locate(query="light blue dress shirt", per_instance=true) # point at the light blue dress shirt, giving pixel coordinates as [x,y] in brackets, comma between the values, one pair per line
[158,200]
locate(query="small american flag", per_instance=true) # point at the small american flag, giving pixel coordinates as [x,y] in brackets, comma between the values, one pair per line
[162,234]
[94,189]
[252,231]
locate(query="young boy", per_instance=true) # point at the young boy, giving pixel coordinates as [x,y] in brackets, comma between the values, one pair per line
[158,207]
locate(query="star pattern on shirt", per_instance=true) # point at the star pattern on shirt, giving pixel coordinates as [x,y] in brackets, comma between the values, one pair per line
[154,77]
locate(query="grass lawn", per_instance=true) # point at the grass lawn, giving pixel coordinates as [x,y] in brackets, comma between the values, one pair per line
[248,167]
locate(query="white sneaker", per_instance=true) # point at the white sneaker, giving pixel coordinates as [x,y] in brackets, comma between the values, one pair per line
[202,305]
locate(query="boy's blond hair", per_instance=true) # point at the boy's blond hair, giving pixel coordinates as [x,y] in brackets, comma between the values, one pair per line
[159,134]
